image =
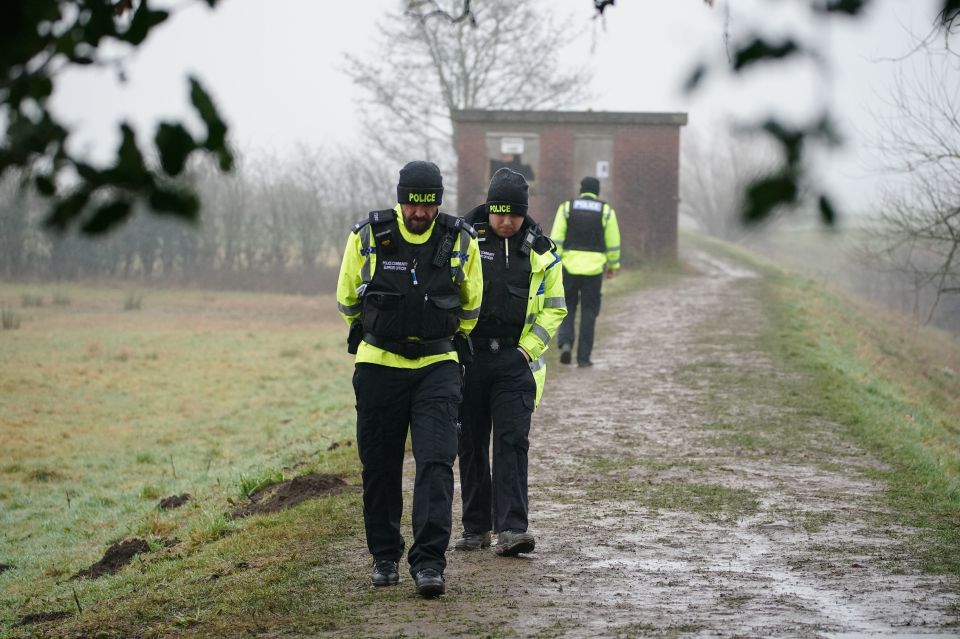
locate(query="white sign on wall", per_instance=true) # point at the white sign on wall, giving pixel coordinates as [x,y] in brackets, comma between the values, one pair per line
[511,146]
[603,169]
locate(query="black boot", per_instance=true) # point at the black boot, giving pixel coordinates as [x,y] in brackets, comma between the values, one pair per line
[429,583]
[385,573]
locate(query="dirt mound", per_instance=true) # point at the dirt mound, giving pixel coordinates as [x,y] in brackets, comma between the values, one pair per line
[290,493]
[174,501]
[342,442]
[42,617]
[119,555]
[5,567]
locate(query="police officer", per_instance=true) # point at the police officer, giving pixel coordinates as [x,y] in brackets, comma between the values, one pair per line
[523,304]
[410,286]
[586,231]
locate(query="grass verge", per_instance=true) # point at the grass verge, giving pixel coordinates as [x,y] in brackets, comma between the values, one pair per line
[892,384]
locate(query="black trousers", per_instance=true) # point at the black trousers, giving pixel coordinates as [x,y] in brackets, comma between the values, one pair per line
[388,401]
[499,393]
[577,289]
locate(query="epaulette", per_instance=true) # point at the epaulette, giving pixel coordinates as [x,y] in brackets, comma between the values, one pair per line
[542,244]
[374,217]
[456,223]
[534,239]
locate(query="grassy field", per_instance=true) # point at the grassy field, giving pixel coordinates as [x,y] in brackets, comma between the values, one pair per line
[106,410]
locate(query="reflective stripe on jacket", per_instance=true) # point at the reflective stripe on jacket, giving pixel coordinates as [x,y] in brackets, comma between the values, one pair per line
[546,308]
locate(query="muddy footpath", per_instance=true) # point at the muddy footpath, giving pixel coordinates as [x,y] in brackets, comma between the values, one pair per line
[672,494]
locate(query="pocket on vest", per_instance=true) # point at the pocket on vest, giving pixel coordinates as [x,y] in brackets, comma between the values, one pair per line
[440,316]
[383,315]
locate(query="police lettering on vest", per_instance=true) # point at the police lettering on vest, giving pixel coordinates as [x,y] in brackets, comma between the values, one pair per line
[585,230]
[422,198]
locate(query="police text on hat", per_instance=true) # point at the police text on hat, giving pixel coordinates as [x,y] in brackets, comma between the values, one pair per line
[420,183]
[507,194]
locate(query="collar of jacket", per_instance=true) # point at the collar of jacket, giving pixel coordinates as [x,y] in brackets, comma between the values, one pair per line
[588,196]
[407,235]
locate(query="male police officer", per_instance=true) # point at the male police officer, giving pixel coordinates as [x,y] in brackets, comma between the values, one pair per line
[523,305]
[410,286]
[587,233]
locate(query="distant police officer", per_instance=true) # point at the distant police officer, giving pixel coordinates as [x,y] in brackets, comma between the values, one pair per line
[523,305]
[586,231]
[410,287]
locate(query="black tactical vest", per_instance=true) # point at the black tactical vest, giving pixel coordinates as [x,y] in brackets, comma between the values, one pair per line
[411,293]
[585,226]
[506,284]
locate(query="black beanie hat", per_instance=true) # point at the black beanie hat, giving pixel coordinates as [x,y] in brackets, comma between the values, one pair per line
[590,185]
[507,194]
[420,183]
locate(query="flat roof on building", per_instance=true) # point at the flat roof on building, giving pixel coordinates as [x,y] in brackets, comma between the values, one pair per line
[569,117]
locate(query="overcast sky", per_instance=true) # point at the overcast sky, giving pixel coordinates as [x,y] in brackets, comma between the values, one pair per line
[275,69]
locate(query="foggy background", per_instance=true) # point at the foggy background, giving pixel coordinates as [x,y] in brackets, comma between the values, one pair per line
[308,169]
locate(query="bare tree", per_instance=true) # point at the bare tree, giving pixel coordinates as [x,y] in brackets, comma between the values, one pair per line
[421,70]
[919,230]
[717,166]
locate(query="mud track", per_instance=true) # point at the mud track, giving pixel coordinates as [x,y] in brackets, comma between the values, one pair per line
[673,495]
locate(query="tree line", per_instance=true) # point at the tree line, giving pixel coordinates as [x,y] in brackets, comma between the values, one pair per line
[271,217]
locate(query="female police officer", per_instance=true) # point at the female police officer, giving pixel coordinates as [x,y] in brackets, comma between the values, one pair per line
[523,304]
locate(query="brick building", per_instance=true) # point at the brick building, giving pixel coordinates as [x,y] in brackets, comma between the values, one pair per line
[636,156]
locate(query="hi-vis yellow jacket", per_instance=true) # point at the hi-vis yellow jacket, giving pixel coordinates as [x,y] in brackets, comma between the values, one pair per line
[588,262]
[356,258]
[546,308]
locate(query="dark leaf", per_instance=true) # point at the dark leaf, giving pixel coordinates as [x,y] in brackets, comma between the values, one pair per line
[601,5]
[178,203]
[41,87]
[849,7]
[144,19]
[760,51]
[88,173]
[67,209]
[38,86]
[212,3]
[950,14]
[765,194]
[174,144]
[108,216]
[216,128]
[83,60]
[101,23]
[129,152]
[693,82]
[130,169]
[45,185]
[827,213]
[790,139]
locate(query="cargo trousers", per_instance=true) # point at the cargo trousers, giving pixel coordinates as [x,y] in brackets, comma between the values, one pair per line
[498,400]
[389,402]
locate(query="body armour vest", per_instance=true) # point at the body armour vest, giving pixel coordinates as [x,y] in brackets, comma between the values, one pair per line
[410,294]
[585,226]
[506,284]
